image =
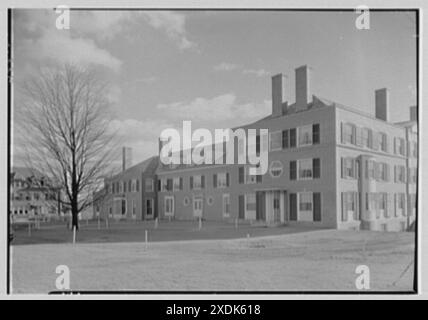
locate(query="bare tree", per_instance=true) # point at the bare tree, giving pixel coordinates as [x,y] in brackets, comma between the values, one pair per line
[63,122]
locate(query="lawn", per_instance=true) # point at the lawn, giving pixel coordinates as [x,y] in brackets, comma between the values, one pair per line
[288,261]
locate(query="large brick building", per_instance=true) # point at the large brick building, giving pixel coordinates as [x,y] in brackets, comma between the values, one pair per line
[329,165]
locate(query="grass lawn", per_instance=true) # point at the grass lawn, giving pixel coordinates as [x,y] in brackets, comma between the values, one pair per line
[287,261]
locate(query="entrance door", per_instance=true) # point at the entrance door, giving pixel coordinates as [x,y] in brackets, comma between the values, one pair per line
[276,206]
[197,207]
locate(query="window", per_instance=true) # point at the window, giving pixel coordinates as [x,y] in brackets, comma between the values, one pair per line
[382,200]
[400,174]
[149,185]
[210,201]
[186,201]
[370,169]
[348,133]
[305,206]
[137,187]
[164,184]
[349,168]
[415,149]
[226,205]
[134,208]
[316,133]
[222,180]
[285,139]
[365,137]
[149,207]
[133,185]
[382,140]
[305,135]
[169,205]
[400,201]
[293,138]
[121,184]
[197,182]
[275,168]
[250,179]
[177,183]
[349,205]
[370,201]
[383,171]
[399,146]
[275,141]
[305,169]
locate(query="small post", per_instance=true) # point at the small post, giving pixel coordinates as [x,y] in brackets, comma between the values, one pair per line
[200,223]
[74,234]
[29,229]
[156,223]
[146,238]
[236,223]
[99,223]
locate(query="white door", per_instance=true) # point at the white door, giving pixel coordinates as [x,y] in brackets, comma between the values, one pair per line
[197,207]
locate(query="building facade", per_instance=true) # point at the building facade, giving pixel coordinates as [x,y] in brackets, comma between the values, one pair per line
[330,166]
[130,194]
[32,195]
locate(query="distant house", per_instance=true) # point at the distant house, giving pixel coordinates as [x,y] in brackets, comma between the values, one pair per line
[32,194]
[130,194]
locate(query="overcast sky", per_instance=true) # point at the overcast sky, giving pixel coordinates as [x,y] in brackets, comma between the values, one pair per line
[214,67]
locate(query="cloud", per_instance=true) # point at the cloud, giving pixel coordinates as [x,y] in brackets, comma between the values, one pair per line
[172,23]
[256,72]
[224,66]
[223,107]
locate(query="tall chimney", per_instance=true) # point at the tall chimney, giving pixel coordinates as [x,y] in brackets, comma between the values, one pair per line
[382,104]
[413,113]
[278,94]
[126,158]
[303,87]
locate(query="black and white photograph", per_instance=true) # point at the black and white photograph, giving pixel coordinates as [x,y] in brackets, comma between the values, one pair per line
[213,150]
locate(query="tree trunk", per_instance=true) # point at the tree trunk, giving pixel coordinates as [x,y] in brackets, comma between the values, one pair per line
[74,213]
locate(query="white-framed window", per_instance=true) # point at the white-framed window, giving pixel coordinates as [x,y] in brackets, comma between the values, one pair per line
[133,185]
[222,180]
[305,135]
[275,140]
[197,182]
[250,206]
[365,137]
[121,185]
[383,171]
[399,146]
[176,183]
[349,133]
[305,169]
[226,205]
[400,174]
[371,169]
[149,184]
[382,140]
[164,184]
[169,205]
[276,168]
[305,206]
[349,169]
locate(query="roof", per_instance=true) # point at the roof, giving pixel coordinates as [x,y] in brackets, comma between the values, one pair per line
[141,167]
[24,173]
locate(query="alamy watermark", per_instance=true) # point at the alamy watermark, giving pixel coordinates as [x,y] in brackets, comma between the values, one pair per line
[176,149]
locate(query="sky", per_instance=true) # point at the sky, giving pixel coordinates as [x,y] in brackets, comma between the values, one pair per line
[214,67]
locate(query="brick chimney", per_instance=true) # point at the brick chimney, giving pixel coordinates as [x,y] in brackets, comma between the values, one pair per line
[126,158]
[303,87]
[278,94]
[382,104]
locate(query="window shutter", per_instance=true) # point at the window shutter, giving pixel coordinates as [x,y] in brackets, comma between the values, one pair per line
[293,170]
[342,132]
[181,183]
[191,183]
[342,160]
[357,206]
[376,171]
[358,140]
[259,178]
[395,174]
[227,179]
[317,206]
[202,181]
[354,134]
[316,168]
[293,207]
[215,180]
[241,213]
[387,173]
[159,185]
[370,138]
[316,133]
[354,169]
[395,205]
[395,146]
[285,142]
[344,207]
[293,138]
[241,175]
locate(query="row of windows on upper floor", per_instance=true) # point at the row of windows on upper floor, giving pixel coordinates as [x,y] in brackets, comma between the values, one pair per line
[379,141]
[379,171]
[36,196]
[302,169]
